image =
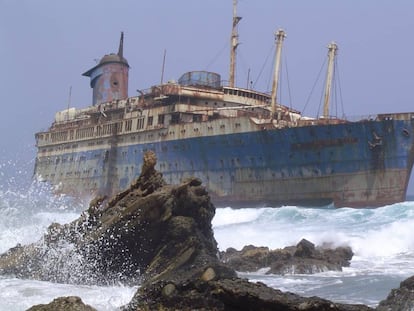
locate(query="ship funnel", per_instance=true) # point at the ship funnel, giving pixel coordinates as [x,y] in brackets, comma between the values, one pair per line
[109,79]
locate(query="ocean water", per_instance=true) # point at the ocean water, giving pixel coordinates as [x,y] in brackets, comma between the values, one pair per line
[381,239]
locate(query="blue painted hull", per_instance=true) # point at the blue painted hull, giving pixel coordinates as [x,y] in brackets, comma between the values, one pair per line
[354,164]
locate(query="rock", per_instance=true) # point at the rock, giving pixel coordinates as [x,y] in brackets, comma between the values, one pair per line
[208,275]
[400,299]
[151,227]
[71,303]
[305,249]
[303,258]
[228,294]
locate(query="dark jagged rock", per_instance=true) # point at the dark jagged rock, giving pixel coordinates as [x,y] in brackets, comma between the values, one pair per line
[71,303]
[304,258]
[227,294]
[400,299]
[150,227]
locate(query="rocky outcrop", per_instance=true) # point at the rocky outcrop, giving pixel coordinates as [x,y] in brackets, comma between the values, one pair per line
[71,303]
[151,227]
[400,299]
[304,258]
[227,295]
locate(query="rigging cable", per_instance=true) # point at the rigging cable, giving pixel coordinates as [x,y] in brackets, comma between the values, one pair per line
[340,89]
[270,78]
[243,62]
[288,84]
[263,66]
[313,87]
[216,56]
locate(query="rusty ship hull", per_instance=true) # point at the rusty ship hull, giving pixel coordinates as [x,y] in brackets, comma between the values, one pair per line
[240,158]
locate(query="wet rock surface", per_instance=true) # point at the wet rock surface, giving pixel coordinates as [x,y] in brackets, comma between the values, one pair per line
[151,227]
[71,303]
[160,237]
[304,258]
[401,298]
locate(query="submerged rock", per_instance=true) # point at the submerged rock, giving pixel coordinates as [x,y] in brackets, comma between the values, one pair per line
[304,258]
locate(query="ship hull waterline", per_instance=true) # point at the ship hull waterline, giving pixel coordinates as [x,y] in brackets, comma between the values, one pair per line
[357,164]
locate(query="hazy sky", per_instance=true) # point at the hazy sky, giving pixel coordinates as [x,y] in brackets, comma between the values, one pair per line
[45,46]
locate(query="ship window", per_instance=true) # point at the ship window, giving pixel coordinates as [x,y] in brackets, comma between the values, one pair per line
[118,127]
[175,118]
[128,125]
[140,123]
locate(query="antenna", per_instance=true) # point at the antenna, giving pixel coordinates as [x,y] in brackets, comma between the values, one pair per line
[163,66]
[70,96]
[121,46]
[69,102]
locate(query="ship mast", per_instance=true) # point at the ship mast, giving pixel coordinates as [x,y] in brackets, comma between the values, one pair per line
[280,35]
[332,49]
[234,43]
